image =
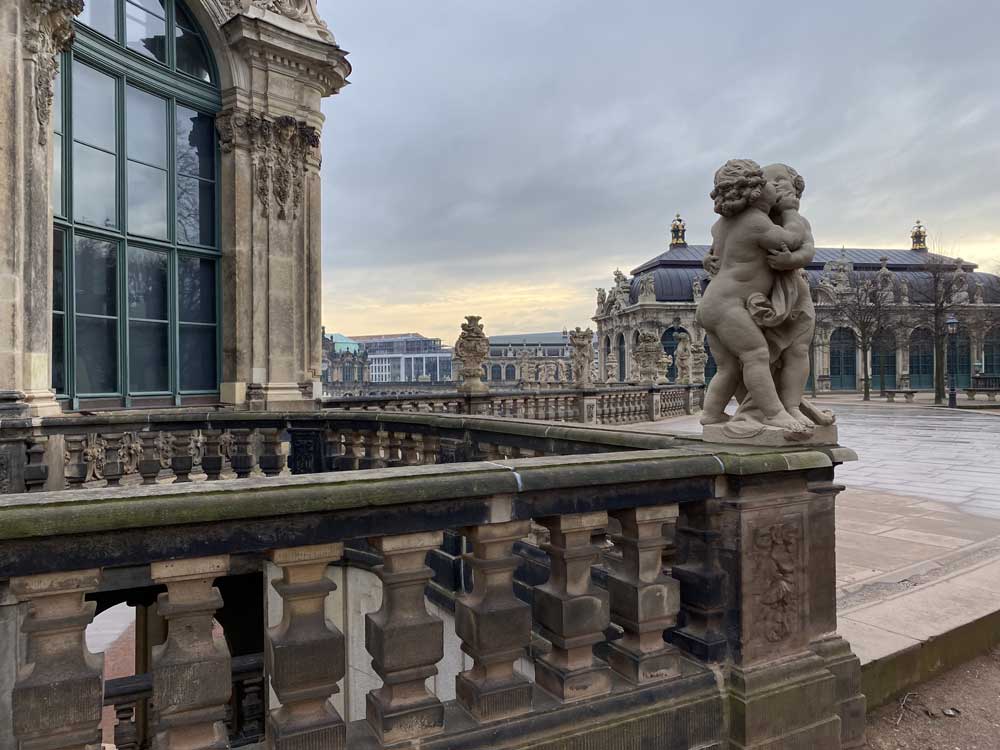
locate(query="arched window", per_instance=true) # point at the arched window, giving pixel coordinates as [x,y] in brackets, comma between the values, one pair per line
[991,352]
[884,361]
[622,373]
[843,360]
[135,198]
[510,373]
[921,359]
[670,347]
[496,373]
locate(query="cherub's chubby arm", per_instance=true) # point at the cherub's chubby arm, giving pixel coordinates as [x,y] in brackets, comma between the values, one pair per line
[787,260]
[775,237]
[712,262]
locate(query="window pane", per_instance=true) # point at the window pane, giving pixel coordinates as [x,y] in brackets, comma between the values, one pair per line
[195,143]
[57,186]
[153,6]
[191,58]
[148,357]
[195,211]
[146,124]
[147,284]
[93,107]
[58,353]
[100,16]
[197,358]
[145,33]
[94,180]
[57,97]
[96,277]
[196,289]
[58,275]
[96,355]
[147,200]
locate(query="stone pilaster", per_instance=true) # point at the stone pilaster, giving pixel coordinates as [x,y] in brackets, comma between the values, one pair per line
[192,675]
[32,35]
[494,625]
[644,602]
[571,611]
[305,653]
[57,699]
[405,641]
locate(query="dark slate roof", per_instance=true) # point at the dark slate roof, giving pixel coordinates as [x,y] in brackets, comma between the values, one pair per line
[675,270]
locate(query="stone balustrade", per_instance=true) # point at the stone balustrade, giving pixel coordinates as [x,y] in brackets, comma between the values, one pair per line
[182,446]
[722,637]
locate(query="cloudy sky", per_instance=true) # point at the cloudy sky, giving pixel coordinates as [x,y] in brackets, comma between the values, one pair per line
[503,158]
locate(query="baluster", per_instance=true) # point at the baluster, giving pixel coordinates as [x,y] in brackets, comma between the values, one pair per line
[241,457]
[304,653]
[36,473]
[405,641]
[58,695]
[212,459]
[74,461]
[192,674]
[113,467]
[432,449]
[644,602]
[334,448]
[409,450]
[494,625]
[181,460]
[572,612]
[272,459]
[373,451]
[149,464]
[126,732]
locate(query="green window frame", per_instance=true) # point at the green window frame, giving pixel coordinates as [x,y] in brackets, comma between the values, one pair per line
[135,197]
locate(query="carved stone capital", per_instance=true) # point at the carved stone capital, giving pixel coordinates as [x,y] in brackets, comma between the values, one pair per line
[50,33]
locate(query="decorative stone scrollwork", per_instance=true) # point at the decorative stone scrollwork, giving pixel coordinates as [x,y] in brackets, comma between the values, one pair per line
[304,11]
[776,561]
[471,350]
[582,342]
[279,149]
[52,34]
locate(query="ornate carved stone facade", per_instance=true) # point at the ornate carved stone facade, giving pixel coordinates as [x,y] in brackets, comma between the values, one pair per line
[471,350]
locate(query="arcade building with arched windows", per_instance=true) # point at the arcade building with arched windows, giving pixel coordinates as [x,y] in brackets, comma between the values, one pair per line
[663,292]
[164,248]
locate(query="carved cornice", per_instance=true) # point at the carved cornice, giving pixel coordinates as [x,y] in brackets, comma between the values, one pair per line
[279,148]
[50,33]
[303,11]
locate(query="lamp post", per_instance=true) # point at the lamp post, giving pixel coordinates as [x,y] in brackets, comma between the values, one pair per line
[952,324]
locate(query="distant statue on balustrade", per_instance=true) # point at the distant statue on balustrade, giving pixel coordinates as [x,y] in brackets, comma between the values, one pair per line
[757,310]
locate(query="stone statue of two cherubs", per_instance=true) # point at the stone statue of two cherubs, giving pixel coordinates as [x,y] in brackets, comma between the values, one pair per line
[758,311]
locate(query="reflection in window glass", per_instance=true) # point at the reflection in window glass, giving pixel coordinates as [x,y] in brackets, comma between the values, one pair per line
[146,125]
[57,125]
[147,284]
[96,269]
[56,185]
[147,200]
[148,357]
[155,7]
[195,143]
[145,33]
[100,16]
[94,192]
[58,353]
[195,211]
[93,107]
[196,289]
[96,355]
[58,274]
[197,358]
[191,57]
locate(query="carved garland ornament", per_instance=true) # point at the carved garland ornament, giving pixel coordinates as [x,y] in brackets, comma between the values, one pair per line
[279,149]
[776,556]
[52,34]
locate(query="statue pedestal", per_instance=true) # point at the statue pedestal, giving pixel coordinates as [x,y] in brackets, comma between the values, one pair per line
[772,437]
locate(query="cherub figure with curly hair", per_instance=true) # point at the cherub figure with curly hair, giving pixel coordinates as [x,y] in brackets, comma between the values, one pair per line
[748,246]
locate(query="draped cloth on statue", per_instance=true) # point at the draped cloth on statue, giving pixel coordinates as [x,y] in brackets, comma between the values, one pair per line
[784,317]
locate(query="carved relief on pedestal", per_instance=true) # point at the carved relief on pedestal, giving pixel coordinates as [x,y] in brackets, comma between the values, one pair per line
[279,149]
[775,557]
[52,34]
